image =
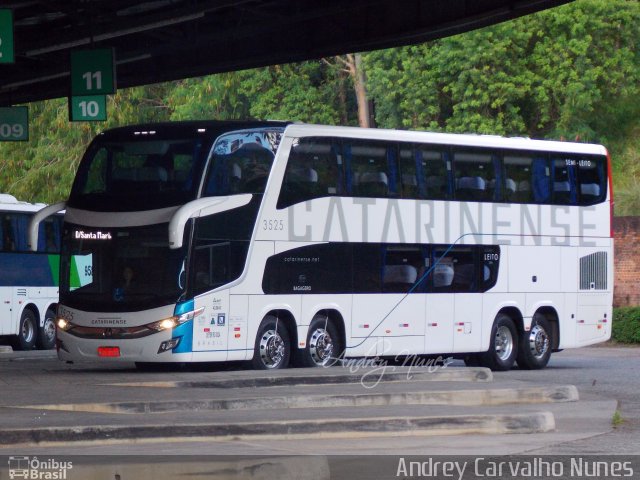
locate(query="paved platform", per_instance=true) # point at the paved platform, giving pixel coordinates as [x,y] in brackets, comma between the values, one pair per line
[46,404]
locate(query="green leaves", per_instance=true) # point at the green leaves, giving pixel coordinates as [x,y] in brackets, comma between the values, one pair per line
[571,72]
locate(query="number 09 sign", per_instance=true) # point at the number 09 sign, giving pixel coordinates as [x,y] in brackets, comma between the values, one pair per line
[14,124]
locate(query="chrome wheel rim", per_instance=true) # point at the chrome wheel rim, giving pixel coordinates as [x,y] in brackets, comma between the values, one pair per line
[321,347]
[49,329]
[503,343]
[272,349]
[27,331]
[538,341]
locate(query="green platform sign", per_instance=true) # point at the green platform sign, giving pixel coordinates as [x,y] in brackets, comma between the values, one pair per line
[6,36]
[14,124]
[93,72]
[88,108]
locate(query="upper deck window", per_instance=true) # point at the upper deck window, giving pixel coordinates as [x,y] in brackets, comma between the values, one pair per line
[241,162]
[140,174]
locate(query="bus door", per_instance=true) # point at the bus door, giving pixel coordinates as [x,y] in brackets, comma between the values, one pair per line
[403,328]
[455,276]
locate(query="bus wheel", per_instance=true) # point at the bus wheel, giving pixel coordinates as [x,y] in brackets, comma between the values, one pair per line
[47,332]
[273,348]
[503,347]
[27,331]
[535,345]
[324,347]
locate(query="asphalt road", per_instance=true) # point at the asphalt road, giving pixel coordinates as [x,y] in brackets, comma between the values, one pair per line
[602,372]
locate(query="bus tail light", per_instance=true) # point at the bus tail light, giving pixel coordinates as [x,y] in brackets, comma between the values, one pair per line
[611,202]
[109,352]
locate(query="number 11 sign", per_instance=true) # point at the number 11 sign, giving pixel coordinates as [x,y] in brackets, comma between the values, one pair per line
[93,72]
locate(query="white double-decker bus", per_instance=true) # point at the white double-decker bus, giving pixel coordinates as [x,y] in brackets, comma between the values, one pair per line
[28,280]
[299,244]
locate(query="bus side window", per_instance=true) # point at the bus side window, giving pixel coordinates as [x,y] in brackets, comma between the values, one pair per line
[367,268]
[564,181]
[9,243]
[591,181]
[410,177]
[475,177]
[490,261]
[402,265]
[313,171]
[518,179]
[423,173]
[540,181]
[456,270]
[373,168]
[436,170]
[49,235]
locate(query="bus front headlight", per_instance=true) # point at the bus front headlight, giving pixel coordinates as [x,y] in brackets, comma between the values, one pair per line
[165,324]
[63,324]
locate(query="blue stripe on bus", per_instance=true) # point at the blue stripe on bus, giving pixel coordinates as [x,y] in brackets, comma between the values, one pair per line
[185,331]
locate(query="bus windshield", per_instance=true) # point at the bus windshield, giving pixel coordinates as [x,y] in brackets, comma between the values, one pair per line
[140,174]
[120,269]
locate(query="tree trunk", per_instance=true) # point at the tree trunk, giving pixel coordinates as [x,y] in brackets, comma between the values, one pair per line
[360,85]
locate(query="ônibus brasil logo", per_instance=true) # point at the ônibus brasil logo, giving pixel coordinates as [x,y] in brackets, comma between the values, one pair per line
[35,469]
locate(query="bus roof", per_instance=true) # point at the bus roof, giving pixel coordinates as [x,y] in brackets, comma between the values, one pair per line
[487,141]
[208,128]
[10,203]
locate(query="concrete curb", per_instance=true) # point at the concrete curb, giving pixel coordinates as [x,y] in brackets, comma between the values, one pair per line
[366,377]
[535,422]
[484,397]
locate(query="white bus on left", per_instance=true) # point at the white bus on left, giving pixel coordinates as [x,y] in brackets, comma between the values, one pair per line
[28,280]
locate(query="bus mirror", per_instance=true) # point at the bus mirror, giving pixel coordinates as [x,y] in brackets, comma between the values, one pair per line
[34,224]
[201,208]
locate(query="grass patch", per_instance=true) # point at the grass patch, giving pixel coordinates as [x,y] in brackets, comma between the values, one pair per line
[617,419]
[626,325]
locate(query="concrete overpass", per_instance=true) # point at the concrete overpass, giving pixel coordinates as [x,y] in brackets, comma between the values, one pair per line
[162,40]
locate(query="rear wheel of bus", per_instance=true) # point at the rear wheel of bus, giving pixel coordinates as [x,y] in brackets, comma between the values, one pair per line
[535,345]
[27,331]
[47,332]
[503,346]
[272,349]
[324,343]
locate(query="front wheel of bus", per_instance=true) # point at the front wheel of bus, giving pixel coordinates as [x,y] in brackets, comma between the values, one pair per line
[272,348]
[47,332]
[535,345]
[27,331]
[503,347]
[324,346]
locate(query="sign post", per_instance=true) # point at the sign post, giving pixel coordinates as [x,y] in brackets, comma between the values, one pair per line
[6,36]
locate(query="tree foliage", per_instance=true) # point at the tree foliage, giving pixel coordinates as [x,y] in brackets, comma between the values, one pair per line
[571,72]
